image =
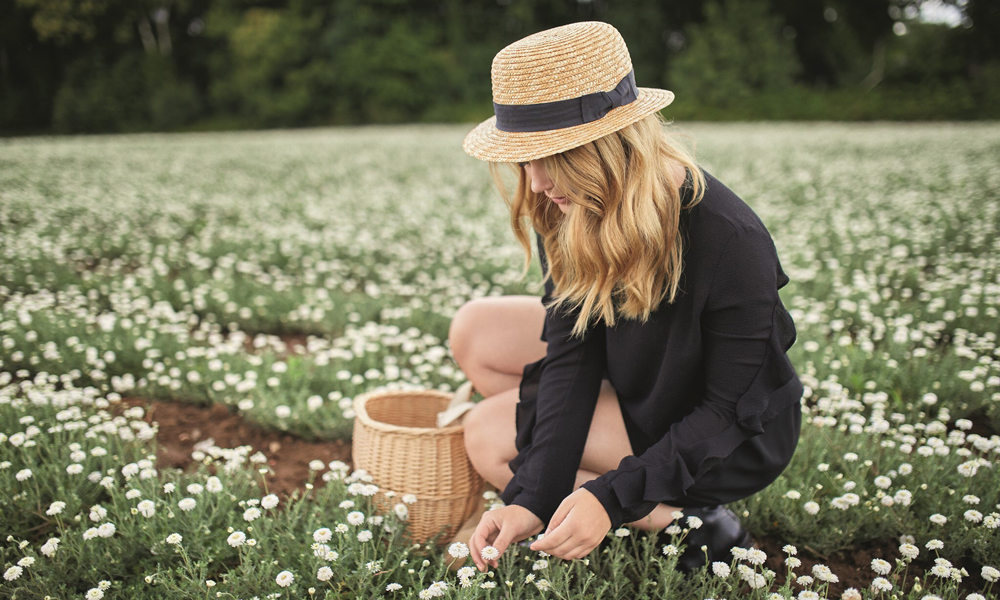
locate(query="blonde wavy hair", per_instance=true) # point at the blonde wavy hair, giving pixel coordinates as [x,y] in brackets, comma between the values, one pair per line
[619,251]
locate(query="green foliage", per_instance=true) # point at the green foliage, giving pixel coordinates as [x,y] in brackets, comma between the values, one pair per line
[272,76]
[128,65]
[737,53]
[138,90]
[96,98]
[394,77]
[62,21]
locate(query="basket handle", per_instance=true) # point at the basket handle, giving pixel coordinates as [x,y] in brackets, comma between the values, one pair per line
[458,406]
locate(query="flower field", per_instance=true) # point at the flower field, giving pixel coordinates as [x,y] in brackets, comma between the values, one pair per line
[177,268]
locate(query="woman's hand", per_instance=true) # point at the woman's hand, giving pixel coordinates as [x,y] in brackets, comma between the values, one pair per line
[500,528]
[577,527]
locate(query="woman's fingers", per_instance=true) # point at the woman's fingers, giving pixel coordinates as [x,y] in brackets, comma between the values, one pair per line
[551,540]
[503,540]
[481,538]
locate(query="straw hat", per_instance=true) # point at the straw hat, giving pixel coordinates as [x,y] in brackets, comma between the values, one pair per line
[558,89]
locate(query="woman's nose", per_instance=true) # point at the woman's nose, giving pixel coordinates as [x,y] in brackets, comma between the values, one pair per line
[539,180]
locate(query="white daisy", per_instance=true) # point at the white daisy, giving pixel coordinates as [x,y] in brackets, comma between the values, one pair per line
[756,556]
[322,535]
[881,567]
[823,573]
[285,578]
[881,584]
[909,551]
[458,550]
[49,548]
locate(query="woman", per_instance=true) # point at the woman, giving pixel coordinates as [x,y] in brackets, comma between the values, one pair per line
[659,381]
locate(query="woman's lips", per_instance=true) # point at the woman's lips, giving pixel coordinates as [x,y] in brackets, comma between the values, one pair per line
[558,199]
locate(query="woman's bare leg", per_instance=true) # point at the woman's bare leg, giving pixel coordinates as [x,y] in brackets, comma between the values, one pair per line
[492,339]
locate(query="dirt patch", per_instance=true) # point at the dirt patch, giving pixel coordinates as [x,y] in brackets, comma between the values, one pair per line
[283,345]
[981,423]
[853,566]
[182,425]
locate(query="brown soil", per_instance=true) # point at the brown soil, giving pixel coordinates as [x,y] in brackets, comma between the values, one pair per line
[853,568]
[182,425]
[284,345]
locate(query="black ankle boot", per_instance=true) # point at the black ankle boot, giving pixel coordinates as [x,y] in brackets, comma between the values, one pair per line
[720,531]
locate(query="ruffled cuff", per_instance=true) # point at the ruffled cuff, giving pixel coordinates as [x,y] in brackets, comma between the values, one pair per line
[607,497]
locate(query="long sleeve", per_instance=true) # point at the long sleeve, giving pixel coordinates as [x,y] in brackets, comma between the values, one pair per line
[568,388]
[743,328]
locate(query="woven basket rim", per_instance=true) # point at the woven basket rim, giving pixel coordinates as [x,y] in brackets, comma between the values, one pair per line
[361,413]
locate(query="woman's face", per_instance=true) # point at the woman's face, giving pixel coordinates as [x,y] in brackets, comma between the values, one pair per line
[541,184]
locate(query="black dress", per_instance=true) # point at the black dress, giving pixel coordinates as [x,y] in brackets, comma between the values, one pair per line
[710,401]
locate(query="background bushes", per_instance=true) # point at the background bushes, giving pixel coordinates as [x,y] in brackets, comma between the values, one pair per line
[126,65]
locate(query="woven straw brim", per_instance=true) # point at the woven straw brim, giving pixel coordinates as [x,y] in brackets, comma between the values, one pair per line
[488,143]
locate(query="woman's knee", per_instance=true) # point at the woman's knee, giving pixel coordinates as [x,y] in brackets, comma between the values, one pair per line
[493,338]
[462,329]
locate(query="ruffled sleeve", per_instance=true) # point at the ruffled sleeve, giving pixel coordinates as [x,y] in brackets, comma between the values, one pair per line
[745,331]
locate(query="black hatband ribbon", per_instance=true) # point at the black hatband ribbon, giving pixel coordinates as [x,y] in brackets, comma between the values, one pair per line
[565,113]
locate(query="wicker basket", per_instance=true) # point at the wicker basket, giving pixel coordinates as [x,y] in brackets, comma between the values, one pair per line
[397,442]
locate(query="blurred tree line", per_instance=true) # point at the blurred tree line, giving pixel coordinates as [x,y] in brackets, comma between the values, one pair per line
[130,65]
